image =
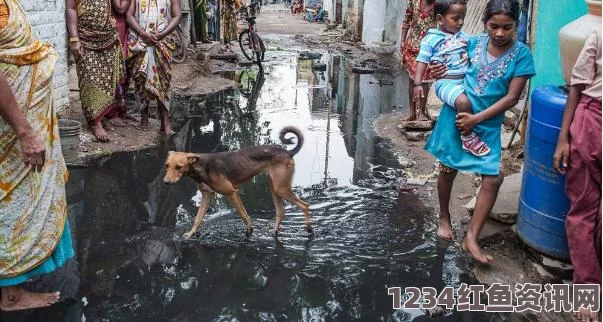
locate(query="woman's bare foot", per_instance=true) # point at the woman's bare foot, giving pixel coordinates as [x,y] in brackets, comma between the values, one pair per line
[410,117]
[142,126]
[471,248]
[445,229]
[586,315]
[99,132]
[423,116]
[16,298]
[144,120]
[107,125]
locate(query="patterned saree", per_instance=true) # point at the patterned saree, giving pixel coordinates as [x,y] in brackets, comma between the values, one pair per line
[34,235]
[100,69]
[150,66]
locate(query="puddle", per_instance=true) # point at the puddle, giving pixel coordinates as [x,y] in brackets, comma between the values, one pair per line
[127,225]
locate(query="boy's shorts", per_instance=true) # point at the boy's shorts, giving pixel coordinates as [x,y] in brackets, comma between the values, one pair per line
[448,90]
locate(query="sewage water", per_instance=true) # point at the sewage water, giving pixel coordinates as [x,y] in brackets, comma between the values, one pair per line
[369,236]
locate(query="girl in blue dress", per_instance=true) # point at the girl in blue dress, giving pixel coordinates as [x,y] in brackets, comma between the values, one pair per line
[498,71]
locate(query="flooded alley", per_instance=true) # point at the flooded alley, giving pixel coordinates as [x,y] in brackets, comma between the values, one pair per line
[127,225]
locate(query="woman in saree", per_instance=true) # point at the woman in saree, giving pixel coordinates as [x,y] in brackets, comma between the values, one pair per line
[34,233]
[228,21]
[151,43]
[94,42]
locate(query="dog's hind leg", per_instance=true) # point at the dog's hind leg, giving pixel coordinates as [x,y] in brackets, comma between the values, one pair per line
[282,178]
[304,206]
[236,201]
[280,212]
[206,198]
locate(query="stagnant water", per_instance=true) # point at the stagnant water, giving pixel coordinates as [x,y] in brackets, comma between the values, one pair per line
[126,224]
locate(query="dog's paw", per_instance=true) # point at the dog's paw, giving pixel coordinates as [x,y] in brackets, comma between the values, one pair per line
[188,235]
[310,230]
[248,232]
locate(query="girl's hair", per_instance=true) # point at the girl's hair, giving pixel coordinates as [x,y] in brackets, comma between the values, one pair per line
[441,7]
[510,8]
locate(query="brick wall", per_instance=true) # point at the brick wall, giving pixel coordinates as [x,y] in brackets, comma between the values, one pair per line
[47,18]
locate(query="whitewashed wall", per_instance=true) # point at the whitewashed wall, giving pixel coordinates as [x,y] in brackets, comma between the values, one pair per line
[47,18]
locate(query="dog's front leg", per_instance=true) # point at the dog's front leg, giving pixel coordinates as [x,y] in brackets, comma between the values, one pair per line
[235,200]
[206,198]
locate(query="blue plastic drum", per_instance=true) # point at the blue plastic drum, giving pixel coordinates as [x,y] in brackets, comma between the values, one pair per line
[543,204]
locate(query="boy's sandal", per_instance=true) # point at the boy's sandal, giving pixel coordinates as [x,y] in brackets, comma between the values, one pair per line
[474,145]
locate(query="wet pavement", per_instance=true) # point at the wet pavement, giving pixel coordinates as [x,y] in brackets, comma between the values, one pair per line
[134,266]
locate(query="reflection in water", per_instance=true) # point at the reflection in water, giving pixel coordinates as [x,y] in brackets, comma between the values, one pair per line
[368,237]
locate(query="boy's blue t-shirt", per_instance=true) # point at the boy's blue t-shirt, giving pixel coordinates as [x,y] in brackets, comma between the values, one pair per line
[450,49]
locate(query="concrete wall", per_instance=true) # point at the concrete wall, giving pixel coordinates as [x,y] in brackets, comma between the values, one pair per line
[373,29]
[549,19]
[47,18]
[393,20]
[382,24]
[354,18]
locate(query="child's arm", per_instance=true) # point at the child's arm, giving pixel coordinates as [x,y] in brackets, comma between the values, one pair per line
[466,121]
[561,156]
[583,75]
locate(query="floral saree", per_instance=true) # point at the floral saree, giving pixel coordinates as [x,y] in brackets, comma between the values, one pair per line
[33,205]
[150,66]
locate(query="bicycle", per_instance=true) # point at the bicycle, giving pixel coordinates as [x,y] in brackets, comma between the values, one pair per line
[179,54]
[251,44]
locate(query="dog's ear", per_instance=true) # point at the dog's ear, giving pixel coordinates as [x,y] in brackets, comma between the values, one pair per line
[192,158]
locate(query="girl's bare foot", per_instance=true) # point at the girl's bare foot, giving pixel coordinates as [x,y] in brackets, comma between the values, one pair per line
[445,229]
[471,248]
[17,298]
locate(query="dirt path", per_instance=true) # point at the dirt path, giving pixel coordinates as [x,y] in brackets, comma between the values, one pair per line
[276,19]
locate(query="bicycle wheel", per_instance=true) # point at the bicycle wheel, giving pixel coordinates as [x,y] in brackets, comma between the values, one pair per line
[245,44]
[259,55]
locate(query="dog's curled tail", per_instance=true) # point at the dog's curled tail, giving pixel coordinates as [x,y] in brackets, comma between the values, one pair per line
[300,138]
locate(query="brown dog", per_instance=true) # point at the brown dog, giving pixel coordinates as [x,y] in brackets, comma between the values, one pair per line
[224,172]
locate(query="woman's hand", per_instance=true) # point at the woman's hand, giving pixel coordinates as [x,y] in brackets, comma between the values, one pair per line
[148,38]
[76,49]
[437,70]
[33,150]
[561,156]
[417,93]
[465,121]
[157,36]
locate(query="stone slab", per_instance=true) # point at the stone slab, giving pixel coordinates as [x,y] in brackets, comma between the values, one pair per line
[417,125]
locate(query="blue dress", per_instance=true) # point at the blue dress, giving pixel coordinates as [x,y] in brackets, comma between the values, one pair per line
[485,83]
